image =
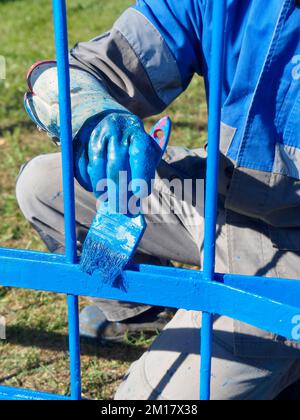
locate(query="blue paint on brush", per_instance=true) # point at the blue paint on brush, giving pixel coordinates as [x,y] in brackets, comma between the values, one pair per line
[113,238]
[111,241]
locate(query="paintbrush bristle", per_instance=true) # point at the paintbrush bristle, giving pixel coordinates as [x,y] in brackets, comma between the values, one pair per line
[111,243]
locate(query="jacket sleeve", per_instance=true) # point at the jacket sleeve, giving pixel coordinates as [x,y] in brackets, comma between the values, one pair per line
[150,55]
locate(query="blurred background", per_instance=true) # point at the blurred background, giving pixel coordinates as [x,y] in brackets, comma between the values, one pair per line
[34,354]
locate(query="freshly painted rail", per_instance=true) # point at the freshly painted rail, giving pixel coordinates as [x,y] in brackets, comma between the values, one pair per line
[266,303]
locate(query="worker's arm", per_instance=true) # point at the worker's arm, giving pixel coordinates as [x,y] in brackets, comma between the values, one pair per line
[135,70]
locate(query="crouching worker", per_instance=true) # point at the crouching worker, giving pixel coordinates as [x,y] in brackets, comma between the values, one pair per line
[134,71]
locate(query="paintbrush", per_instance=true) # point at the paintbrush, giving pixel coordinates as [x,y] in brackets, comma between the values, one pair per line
[113,238]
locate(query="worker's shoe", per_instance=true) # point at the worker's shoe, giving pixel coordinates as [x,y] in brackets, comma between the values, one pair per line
[94,325]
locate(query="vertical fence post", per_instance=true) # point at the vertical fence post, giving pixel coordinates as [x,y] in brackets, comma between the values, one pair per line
[62,56]
[211,196]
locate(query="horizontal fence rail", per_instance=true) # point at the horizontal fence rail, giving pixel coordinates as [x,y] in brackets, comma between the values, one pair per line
[269,304]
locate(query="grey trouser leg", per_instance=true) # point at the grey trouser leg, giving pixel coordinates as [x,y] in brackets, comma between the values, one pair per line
[39,193]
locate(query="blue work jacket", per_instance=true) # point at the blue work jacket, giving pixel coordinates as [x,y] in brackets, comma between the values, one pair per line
[261,88]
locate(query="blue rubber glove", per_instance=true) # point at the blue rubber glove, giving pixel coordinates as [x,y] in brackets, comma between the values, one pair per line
[108,139]
[118,143]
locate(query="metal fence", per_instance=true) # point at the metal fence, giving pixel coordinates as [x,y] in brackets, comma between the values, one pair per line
[272,304]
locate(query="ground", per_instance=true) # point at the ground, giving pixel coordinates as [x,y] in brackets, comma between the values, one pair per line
[35,352]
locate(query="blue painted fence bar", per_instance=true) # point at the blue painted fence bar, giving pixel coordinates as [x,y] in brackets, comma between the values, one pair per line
[269,304]
[7,393]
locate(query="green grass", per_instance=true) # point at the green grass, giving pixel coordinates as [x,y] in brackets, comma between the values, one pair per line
[34,354]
